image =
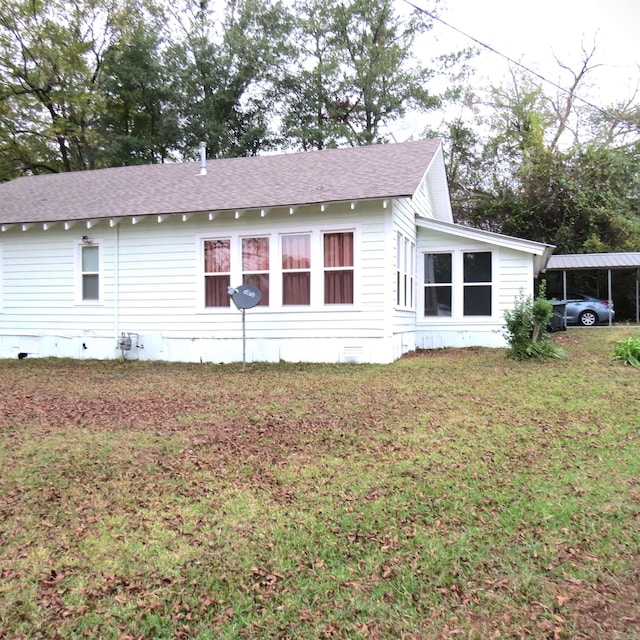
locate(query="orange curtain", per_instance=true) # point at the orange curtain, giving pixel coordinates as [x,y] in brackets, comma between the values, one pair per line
[216,291]
[338,250]
[217,256]
[255,254]
[296,288]
[296,252]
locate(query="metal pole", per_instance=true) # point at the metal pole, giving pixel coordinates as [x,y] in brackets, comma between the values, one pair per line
[609,294]
[243,342]
[638,296]
[564,295]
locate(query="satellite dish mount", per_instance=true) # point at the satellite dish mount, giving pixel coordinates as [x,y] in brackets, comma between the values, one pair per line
[244,297]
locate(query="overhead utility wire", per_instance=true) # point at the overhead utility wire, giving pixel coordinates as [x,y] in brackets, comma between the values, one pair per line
[502,55]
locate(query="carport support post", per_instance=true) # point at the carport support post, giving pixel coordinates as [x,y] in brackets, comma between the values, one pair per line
[564,294]
[637,296]
[610,300]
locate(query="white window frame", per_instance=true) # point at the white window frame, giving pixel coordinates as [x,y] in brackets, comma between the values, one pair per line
[458,285]
[405,272]
[451,285]
[275,263]
[80,245]
[313,267]
[490,283]
[352,268]
[204,273]
[243,273]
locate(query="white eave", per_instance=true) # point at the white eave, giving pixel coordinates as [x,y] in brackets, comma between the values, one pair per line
[541,251]
[159,218]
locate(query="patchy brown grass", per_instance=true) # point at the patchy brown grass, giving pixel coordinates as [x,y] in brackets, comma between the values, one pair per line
[452,494]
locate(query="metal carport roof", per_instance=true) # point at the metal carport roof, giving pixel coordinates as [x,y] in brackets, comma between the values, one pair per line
[594,261]
[604,261]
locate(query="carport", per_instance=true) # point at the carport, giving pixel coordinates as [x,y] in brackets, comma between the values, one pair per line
[604,262]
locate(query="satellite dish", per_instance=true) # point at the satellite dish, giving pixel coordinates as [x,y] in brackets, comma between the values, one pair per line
[245,296]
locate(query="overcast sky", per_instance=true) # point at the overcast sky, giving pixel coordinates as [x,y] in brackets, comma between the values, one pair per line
[532,32]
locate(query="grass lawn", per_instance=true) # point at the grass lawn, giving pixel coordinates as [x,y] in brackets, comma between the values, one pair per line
[452,494]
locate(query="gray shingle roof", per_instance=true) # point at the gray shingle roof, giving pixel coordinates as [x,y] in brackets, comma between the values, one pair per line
[595,261]
[334,175]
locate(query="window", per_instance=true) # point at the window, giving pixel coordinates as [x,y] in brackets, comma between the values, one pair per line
[458,284]
[338,268]
[217,272]
[255,266]
[296,270]
[405,259]
[90,272]
[438,284]
[477,283]
[299,269]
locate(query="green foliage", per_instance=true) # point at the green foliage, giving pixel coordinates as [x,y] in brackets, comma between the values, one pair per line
[93,83]
[627,350]
[525,328]
[139,120]
[355,72]
[224,73]
[51,55]
[528,178]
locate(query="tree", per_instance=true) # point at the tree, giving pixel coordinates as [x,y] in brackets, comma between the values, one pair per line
[535,175]
[222,73]
[309,93]
[139,121]
[356,73]
[51,54]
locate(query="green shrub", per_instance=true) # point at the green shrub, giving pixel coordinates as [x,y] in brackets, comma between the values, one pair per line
[628,351]
[526,328]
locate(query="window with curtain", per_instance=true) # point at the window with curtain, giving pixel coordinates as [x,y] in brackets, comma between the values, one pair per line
[255,266]
[338,268]
[477,279]
[296,269]
[438,284]
[217,272]
[90,270]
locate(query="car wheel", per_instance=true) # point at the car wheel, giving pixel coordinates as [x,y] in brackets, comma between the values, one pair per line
[588,319]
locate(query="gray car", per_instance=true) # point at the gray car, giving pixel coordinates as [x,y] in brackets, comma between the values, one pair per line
[587,311]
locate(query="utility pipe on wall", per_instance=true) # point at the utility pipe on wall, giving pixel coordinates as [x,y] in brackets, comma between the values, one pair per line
[116,283]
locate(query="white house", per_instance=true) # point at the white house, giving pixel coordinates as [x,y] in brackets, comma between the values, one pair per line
[354,250]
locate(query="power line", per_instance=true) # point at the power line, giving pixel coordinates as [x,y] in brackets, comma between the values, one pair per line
[506,57]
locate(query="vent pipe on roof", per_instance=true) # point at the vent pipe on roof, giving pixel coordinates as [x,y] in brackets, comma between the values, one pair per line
[203,158]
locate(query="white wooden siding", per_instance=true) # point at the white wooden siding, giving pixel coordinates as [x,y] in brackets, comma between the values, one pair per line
[512,274]
[403,320]
[436,185]
[422,201]
[159,291]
